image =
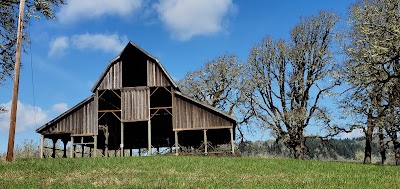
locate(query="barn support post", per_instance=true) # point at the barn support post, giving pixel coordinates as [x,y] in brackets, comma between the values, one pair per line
[232,141]
[41,146]
[65,141]
[53,155]
[149,137]
[83,149]
[71,153]
[205,142]
[176,143]
[94,146]
[122,140]
[106,134]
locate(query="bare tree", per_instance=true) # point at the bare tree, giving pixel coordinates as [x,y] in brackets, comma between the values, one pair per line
[220,83]
[289,79]
[373,69]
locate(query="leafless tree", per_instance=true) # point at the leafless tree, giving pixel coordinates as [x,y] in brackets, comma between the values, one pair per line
[289,79]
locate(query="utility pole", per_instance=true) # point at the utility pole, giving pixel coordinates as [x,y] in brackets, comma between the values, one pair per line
[13,117]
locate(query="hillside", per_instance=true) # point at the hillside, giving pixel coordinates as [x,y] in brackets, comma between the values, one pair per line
[193,172]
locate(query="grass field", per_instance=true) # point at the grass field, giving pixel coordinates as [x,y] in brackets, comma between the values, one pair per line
[193,172]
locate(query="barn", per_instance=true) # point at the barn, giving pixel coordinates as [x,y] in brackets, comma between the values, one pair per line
[136,105]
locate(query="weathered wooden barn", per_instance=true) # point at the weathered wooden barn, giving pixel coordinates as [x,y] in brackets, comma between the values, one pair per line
[136,104]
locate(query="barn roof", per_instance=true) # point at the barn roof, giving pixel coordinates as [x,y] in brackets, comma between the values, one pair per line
[114,60]
[206,106]
[60,117]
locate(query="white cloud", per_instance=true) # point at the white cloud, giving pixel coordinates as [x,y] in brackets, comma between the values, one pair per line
[76,10]
[353,134]
[188,18]
[58,46]
[27,117]
[107,43]
[104,42]
[60,107]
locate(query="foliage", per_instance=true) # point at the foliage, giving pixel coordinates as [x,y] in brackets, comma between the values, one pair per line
[193,172]
[219,83]
[289,78]
[373,70]
[9,10]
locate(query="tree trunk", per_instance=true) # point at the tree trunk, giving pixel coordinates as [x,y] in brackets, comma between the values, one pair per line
[297,146]
[396,149]
[382,146]
[368,140]
[299,151]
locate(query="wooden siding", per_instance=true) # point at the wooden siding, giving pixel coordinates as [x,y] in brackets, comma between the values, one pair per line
[189,116]
[155,76]
[81,120]
[113,78]
[135,104]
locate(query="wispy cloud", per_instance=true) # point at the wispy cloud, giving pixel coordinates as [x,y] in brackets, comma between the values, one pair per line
[77,10]
[27,117]
[106,43]
[60,107]
[103,42]
[188,18]
[58,46]
[353,134]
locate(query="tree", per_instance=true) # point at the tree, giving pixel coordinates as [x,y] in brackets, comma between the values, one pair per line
[373,69]
[8,29]
[219,83]
[289,79]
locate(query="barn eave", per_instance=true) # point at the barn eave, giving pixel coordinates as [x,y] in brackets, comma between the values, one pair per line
[66,113]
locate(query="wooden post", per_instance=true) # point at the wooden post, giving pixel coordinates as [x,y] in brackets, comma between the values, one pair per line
[41,146]
[14,101]
[72,150]
[232,141]
[130,152]
[149,137]
[95,146]
[139,152]
[83,149]
[122,140]
[205,142]
[54,148]
[106,141]
[176,143]
[65,147]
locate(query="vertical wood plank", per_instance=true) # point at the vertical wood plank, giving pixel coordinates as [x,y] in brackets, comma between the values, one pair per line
[205,142]
[122,140]
[176,143]
[41,146]
[149,137]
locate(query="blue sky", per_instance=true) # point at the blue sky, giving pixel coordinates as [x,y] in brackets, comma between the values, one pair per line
[68,54]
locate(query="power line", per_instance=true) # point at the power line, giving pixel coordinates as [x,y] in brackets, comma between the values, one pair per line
[32,78]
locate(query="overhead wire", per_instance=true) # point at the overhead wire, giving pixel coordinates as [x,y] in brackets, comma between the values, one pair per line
[32,77]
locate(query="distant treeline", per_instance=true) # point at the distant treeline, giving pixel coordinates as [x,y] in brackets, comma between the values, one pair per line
[333,149]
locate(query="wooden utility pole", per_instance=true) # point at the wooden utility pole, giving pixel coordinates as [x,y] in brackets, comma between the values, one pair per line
[13,117]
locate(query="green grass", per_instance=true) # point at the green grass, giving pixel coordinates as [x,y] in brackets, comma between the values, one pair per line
[193,172]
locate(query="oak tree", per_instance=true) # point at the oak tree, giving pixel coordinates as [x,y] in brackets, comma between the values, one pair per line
[290,77]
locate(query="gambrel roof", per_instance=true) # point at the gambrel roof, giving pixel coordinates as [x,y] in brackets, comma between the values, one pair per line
[117,58]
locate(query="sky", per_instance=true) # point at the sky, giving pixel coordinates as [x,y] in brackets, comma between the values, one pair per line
[67,55]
